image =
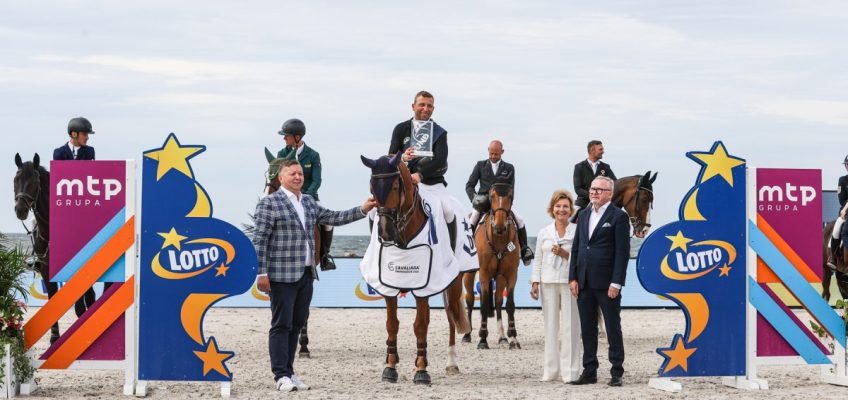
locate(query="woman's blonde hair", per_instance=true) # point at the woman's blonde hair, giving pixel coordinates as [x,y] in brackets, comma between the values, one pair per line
[558,195]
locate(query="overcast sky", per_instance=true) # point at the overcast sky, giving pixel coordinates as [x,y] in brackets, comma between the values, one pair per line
[651,79]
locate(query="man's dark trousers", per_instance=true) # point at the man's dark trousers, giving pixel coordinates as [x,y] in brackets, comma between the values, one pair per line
[289,310]
[588,302]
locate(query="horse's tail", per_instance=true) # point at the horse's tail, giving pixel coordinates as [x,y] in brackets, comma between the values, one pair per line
[455,307]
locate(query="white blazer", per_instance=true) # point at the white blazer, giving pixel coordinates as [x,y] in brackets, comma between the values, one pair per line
[548,267]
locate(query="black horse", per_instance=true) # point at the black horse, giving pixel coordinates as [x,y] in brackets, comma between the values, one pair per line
[841,272]
[32,193]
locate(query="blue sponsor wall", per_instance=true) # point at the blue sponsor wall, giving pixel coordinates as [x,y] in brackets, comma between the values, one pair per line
[344,287]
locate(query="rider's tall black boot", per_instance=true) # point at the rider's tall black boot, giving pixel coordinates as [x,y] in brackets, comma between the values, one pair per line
[327,262]
[526,254]
[834,248]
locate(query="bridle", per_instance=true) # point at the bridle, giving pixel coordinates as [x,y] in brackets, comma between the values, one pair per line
[635,221]
[399,219]
[510,220]
[31,203]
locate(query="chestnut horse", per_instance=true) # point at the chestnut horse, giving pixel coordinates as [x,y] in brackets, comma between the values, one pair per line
[497,250]
[400,218]
[32,193]
[828,273]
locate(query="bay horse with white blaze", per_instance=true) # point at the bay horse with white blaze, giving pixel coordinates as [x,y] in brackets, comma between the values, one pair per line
[400,218]
[497,250]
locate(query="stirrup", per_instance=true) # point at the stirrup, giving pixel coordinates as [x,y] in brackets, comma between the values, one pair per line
[327,263]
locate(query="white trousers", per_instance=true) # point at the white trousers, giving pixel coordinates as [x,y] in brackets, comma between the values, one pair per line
[519,222]
[440,192]
[562,333]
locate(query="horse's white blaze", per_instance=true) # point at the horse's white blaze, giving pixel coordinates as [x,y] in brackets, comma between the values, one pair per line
[452,356]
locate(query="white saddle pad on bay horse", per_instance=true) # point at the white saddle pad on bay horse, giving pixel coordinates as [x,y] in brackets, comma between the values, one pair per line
[428,265]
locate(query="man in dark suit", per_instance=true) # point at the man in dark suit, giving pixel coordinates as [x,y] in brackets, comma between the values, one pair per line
[587,170]
[429,170]
[596,275]
[77,147]
[284,244]
[486,173]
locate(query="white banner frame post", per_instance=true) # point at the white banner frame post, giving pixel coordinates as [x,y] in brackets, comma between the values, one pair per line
[835,373]
[129,363]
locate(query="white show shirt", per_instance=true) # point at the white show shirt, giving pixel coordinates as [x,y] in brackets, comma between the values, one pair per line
[594,165]
[495,166]
[74,149]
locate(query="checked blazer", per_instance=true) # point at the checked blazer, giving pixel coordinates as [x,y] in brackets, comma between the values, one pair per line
[280,239]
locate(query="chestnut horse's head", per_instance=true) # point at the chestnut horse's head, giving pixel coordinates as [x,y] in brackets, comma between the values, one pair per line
[392,187]
[500,195]
[28,185]
[635,194]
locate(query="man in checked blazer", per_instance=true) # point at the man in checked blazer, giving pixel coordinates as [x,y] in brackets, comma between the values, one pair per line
[284,245]
[596,275]
[587,170]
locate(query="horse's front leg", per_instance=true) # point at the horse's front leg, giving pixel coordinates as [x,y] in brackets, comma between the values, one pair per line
[510,314]
[453,301]
[500,284]
[390,372]
[422,322]
[52,288]
[468,283]
[485,309]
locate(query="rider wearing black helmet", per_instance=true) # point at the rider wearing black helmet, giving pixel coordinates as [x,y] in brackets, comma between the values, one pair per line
[77,147]
[293,132]
[842,192]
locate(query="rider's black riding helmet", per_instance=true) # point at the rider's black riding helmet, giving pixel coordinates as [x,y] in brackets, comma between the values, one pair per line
[79,124]
[293,126]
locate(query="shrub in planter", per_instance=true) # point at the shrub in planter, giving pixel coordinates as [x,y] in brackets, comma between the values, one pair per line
[13,294]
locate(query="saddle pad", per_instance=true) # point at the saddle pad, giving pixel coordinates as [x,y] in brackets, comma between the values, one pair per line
[405,269]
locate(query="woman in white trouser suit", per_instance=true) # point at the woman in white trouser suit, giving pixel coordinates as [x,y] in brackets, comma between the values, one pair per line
[559,308]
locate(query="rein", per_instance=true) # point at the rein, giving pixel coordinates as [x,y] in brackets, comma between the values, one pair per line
[398,220]
[500,253]
[31,203]
[634,220]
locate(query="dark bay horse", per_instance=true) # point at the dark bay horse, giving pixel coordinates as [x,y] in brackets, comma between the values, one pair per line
[32,193]
[272,184]
[400,218]
[841,271]
[635,195]
[497,250]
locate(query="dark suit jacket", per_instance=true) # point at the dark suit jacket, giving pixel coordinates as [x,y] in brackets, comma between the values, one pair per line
[843,191]
[64,153]
[310,162]
[583,177]
[601,259]
[432,169]
[483,173]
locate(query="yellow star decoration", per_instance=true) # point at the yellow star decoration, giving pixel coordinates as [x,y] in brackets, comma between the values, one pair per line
[678,241]
[172,238]
[677,356]
[724,270]
[172,155]
[213,359]
[222,270]
[718,163]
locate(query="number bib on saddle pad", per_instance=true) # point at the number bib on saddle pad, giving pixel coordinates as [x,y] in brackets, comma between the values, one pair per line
[405,269]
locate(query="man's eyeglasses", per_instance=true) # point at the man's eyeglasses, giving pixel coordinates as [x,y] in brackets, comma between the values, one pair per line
[598,190]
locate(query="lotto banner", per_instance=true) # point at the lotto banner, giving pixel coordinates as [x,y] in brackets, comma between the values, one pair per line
[189,261]
[787,238]
[91,230]
[699,263]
